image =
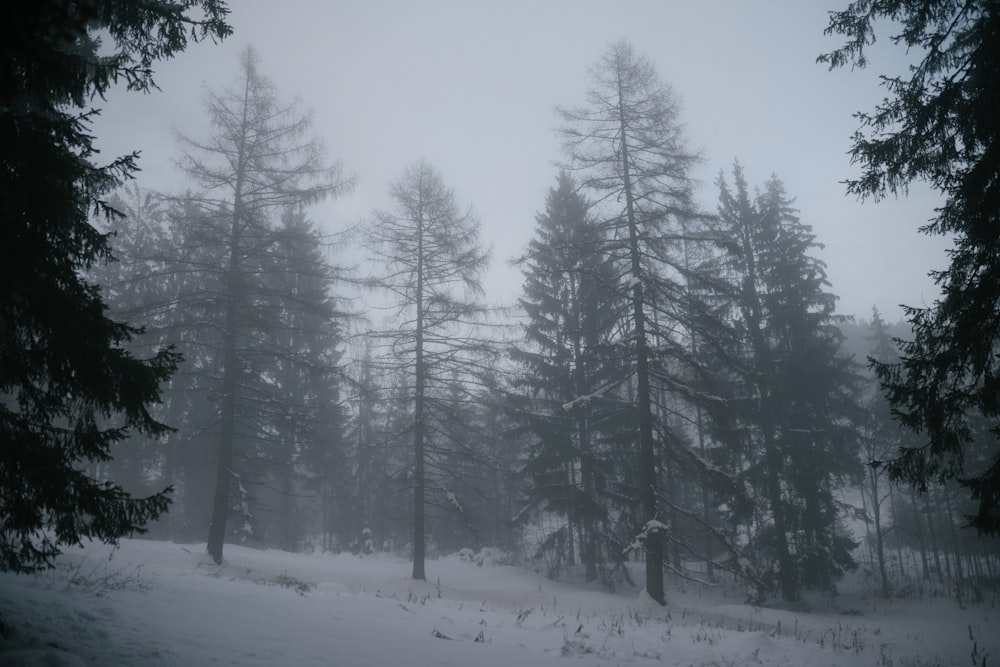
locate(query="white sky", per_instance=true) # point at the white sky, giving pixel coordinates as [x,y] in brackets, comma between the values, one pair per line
[471,87]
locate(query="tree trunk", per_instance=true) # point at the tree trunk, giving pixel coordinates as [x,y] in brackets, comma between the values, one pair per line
[418,415]
[934,545]
[588,541]
[706,514]
[917,522]
[879,547]
[647,455]
[895,520]
[289,537]
[220,506]
[959,575]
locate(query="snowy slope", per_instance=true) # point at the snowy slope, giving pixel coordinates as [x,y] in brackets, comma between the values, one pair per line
[157,603]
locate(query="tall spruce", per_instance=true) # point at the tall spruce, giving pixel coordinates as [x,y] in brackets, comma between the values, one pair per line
[939,124]
[570,307]
[69,389]
[302,452]
[792,396]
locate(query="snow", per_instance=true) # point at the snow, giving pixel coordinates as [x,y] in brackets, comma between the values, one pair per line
[158,603]
[584,400]
[454,500]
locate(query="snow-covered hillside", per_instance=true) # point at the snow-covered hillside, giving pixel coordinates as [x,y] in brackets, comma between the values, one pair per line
[157,603]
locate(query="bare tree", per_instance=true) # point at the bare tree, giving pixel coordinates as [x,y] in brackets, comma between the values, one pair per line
[626,146]
[432,259]
[257,163]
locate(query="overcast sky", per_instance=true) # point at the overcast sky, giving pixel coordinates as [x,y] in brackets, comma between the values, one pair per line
[471,86]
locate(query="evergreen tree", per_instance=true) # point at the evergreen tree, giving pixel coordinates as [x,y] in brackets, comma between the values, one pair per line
[168,280]
[567,367]
[303,445]
[68,387]
[793,392]
[940,125]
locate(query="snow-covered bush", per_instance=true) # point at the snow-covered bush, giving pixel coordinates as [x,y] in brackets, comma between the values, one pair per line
[490,556]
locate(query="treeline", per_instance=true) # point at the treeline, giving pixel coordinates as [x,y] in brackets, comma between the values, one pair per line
[672,386]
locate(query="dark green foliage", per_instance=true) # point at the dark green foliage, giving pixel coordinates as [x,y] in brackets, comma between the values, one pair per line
[790,408]
[941,125]
[68,387]
[569,369]
[301,359]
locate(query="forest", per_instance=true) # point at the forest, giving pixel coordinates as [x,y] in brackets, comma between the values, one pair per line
[674,391]
[663,361]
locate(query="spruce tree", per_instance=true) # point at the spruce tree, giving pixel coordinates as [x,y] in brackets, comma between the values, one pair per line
[571,312]
[68,387]
[792,394]
[939,124]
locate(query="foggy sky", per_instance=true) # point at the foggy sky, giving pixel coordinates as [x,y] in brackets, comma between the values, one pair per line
[471,86]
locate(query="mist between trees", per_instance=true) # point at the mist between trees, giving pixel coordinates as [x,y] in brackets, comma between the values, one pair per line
[674,384]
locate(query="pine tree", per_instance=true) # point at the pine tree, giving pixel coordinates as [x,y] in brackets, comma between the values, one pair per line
[167,280]
[68,387]
[301,357]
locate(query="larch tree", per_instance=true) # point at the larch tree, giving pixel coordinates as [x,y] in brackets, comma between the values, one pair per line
[939,125]
[257,163]
[69,389]
[627,148]
[432,261]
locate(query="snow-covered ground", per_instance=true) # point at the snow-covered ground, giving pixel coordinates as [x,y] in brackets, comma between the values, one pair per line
[158,603]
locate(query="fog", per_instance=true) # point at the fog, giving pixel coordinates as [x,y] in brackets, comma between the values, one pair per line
[467,373]
[471,88]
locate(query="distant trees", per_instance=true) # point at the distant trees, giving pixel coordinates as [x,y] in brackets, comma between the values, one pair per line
[69,390]
[939,124]
[880,437]
[912,545]
[432,262]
